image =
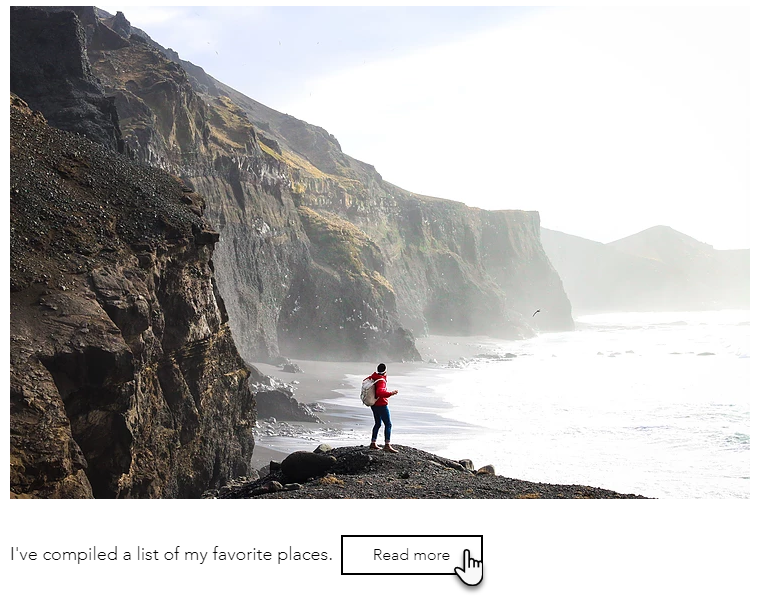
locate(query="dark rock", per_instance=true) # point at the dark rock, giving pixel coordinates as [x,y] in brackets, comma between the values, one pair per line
[281,405]
[273,486]
[51,72]
[302,465]
[487,470]
[450,463]
[205,236]
[152,400]
[274,466]
[410,473]
[290,367]
[467,464]
[120,24]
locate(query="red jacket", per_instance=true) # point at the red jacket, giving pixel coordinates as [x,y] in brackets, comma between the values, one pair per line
[380,389]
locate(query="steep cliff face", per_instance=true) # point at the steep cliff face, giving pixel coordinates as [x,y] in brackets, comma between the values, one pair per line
[275,291]
[279,189]
[347,285]
[454,269]
[125,381]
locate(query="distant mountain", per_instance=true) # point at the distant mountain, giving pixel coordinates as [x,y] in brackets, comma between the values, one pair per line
[657,269]
[664,244]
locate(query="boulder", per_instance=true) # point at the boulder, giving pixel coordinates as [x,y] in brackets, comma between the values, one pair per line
[280,405]
[467,464]
[487,470]
[303,465]
[273,486]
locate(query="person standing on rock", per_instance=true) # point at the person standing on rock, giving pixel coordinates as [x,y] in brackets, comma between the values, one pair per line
[381,409]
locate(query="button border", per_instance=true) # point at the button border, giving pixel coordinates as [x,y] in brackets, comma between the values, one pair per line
[342,553]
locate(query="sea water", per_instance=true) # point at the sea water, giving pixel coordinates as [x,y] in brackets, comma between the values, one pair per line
[656,404]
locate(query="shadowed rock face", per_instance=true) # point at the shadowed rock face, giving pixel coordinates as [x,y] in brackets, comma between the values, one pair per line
[50,69]
[125,381]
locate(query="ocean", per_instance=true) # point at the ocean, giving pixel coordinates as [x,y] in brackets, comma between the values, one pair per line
[656,404]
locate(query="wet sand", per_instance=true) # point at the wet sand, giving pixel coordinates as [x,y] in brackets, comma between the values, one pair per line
[417,411]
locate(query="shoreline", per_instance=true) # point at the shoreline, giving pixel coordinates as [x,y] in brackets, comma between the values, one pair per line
[593,429]
[417,410]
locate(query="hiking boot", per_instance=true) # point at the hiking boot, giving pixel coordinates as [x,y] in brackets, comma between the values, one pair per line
[374,446]
[388,448]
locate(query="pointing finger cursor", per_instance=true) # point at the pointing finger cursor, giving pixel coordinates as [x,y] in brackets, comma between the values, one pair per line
[472,571]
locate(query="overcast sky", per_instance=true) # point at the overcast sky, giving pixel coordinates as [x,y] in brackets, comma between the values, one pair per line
[606,121]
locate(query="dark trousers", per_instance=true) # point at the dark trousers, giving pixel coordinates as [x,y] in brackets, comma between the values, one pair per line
[381,414]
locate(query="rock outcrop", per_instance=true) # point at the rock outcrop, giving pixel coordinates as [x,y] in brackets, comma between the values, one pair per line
[125,381]
[50,70]
[278,404]
[358,472]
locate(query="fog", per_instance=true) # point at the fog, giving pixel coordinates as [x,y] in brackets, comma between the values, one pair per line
[659,269]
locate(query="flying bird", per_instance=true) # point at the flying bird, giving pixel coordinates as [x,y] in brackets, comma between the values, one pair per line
[537,311]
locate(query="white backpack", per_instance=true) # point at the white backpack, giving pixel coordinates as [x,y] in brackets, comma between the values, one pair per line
[368,391]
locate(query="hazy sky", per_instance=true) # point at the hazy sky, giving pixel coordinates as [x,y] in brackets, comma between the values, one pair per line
[606,121]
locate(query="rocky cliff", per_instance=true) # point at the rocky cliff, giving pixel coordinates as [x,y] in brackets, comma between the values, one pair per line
[49,67]
[319,256]
[125,381]
[454,269]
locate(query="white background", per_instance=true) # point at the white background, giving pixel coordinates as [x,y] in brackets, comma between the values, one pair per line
[551,553]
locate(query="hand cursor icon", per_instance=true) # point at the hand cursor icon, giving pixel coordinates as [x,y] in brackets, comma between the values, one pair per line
[472,571]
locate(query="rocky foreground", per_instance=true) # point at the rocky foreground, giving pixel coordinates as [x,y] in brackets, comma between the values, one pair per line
[125,380]
[358,472]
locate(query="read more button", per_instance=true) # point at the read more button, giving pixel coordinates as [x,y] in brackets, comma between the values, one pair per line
[407,555]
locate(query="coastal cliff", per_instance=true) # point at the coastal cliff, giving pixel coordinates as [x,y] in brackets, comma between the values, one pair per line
[453,269]
[125,381]
[319,257]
